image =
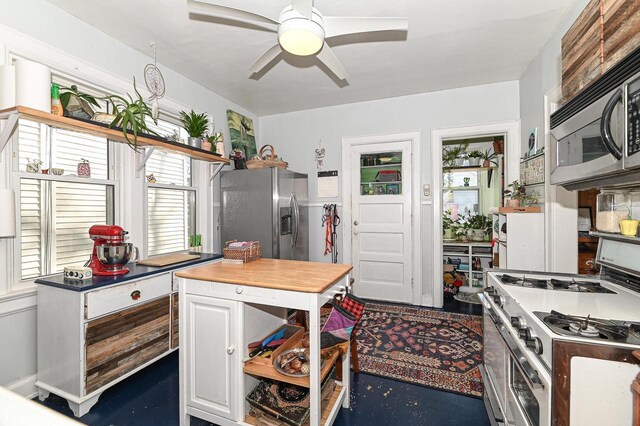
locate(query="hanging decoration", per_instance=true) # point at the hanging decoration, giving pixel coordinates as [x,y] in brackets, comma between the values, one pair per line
[155,83]
[330,220]
[319,155]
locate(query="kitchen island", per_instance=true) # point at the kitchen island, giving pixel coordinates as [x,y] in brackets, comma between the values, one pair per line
[226,306]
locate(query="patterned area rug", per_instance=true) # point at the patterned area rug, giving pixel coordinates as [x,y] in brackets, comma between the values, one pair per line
[422,346]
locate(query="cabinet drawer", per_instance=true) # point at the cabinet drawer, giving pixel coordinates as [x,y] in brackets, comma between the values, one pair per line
[121,342]
[111,299]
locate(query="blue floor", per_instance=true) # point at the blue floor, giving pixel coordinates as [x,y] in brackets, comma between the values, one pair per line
[151,398]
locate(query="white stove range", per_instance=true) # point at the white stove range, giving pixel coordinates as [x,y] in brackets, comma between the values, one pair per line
[557,346]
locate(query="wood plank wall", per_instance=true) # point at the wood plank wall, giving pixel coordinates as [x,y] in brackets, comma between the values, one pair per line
[604,34]
[119,343]
[174,320]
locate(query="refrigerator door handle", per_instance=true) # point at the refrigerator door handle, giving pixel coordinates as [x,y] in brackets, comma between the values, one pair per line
[296,219]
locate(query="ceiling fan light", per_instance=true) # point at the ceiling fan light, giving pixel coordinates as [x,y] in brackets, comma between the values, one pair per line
[301,37]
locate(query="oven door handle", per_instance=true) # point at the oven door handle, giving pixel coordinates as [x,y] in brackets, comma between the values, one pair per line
[530,374]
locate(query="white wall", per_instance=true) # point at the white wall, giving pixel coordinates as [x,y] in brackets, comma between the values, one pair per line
[42,32]
[296,135]
[542,76]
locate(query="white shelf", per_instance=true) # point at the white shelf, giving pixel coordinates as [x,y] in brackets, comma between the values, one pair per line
[382,165]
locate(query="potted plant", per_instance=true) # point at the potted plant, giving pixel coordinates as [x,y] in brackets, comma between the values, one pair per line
[77,104]
[488,158]
[477,226]
[239,158]
[517,196]
[474,158]
[452,156]
[488,228]
[196,126]
[209,143]
[131,116]
[447,222]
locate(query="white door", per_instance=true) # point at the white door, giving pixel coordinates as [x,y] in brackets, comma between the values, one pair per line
[212,327]
[381,231]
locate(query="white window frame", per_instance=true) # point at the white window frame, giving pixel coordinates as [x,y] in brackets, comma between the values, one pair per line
[16,283]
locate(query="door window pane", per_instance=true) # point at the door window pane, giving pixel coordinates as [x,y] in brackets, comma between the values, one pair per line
[381,173]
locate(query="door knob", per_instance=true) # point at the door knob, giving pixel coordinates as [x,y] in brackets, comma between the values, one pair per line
[231,349]
[355,222]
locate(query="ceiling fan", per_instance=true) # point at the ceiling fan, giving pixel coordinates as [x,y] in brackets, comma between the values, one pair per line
[302,30]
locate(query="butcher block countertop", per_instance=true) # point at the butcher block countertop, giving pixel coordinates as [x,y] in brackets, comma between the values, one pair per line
[290,275]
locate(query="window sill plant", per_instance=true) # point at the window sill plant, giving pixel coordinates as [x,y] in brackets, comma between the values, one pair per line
[474,158]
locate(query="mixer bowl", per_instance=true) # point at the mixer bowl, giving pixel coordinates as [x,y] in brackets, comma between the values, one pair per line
[113,255]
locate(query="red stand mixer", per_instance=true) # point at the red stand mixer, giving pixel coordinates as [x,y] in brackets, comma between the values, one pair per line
[110,252]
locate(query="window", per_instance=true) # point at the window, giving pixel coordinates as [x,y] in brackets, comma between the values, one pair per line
[56,211]
[171,206]
[461,192]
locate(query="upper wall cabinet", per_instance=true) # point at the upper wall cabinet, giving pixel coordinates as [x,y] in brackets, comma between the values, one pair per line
[605,32]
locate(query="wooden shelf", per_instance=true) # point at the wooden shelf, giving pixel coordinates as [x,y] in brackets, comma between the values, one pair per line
[269,372]
[327,410]
[99,130]
[468,168]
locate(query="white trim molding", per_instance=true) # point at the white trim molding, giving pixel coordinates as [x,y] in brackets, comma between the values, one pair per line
[511,130]
[415,138]
[25,386]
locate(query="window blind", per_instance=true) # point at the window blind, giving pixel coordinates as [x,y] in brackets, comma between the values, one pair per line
[170,211]
[56,215]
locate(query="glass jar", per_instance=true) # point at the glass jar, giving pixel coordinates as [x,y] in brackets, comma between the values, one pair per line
[611,208]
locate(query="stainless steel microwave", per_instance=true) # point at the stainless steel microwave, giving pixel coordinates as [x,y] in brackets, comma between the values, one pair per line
[595,138]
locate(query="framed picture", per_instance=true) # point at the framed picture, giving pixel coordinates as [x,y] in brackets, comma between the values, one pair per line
[533,141]
[584,219]
[242,133]
[393,188]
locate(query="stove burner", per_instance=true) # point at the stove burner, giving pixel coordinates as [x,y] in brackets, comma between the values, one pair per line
[586,326]
[524,281]
[584,286]
[555,284]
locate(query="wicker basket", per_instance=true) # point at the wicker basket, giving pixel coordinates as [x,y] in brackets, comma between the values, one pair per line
[243,255]
[264,161]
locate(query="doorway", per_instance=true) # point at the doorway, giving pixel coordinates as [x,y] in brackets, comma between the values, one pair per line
[381,233]
[510,132]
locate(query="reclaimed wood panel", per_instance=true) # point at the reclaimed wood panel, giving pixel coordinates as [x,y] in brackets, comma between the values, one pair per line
[119,343]
[290,275]
[175,322]
[621,20]
[582,51]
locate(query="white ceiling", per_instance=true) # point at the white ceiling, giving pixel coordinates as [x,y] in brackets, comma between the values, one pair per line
[450,43]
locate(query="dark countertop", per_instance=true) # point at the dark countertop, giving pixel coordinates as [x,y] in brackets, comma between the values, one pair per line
[135,272]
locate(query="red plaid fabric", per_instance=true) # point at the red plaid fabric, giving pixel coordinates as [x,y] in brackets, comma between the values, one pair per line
[354,305]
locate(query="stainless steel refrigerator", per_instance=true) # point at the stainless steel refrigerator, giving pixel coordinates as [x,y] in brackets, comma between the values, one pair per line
[267,205]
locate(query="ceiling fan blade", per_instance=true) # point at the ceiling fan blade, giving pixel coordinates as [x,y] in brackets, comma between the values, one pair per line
[327,57]
[303,6]
[210,9]
[341,25]
[266,59]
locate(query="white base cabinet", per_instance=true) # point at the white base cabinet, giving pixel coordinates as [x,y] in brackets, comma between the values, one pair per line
[90,340]
[212,327]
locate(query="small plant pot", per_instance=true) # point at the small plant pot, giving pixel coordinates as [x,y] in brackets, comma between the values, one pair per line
[447,234]
[459,162]
[240,164]
[486,163]
[206,145]
[629,227]
[513,203]
[475,162]
[194,142]
[477,234]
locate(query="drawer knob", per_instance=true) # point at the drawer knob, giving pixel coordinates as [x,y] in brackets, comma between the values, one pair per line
[135,295]
[239,290]
[231,349]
